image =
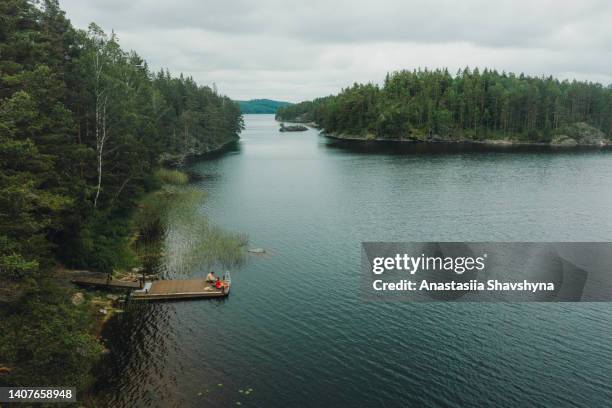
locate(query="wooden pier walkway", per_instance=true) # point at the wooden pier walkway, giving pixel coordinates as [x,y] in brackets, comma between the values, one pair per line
[158,289]
[179,289]
[105,283]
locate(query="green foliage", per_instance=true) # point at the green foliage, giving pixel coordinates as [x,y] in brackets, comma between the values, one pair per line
[172,176]
[13,266]
[299,112]
[194,119]
[53,347]
[150,217]
[261,106]
[102,244]
[83,125]
[470,105]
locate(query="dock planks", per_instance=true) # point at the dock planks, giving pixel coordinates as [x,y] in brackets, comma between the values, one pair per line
[178,289]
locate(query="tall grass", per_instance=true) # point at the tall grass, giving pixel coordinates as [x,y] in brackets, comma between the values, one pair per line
[197,241]
[171,176]
[172,229]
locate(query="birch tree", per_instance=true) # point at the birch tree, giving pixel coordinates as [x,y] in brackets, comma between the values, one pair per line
[98,53]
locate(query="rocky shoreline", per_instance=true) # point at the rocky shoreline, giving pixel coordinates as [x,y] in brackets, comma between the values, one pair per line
[176,160]
[575,135]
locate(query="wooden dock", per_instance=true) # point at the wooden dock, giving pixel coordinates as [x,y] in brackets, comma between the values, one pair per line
[158,289]
[179,289]
[105,283]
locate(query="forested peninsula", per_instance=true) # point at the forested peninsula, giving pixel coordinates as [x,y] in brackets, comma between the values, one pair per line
[470,106]
[84,124]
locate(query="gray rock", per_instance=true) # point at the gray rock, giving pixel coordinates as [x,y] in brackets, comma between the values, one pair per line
[77,298]
[497,142]
[580,133]
[436,138]
[563,140]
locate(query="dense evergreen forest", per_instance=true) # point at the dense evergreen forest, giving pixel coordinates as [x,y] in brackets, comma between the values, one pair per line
[471,105]
[83,123]
[261,106]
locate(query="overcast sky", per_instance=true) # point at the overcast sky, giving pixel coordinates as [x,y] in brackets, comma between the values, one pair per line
[296,50]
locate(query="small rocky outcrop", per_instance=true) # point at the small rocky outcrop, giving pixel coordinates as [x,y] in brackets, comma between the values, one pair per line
[292,128]
[579,134]
[498,142]
[77,298]
[563,141]
[436,138]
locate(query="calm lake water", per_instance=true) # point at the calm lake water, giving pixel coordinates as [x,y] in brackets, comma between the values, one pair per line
[295,329]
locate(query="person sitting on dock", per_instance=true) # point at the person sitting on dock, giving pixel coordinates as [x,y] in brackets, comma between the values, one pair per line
[211,277]
[218,283]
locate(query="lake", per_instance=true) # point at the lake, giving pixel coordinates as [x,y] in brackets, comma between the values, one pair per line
[295,331]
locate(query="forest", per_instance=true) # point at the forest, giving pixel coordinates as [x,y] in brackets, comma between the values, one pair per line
[470,105]
[261,106]
[84,124]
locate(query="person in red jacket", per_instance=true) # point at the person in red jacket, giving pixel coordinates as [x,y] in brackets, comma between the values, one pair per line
[218,283]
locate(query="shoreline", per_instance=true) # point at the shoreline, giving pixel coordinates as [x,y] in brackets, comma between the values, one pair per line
[442,141]
[465,142]
[110,299]
[106,303]
[178,160]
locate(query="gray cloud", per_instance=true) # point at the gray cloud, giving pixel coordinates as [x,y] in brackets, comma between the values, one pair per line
[299,50]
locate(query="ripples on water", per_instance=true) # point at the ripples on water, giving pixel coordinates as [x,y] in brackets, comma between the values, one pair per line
[294,328]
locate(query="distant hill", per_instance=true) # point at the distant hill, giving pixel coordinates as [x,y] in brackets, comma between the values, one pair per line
[261,106]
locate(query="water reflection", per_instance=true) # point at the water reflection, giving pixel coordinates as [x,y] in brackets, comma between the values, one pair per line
[141,344]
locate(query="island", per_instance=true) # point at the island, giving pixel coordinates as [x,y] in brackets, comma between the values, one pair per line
[292,128]
[472,106]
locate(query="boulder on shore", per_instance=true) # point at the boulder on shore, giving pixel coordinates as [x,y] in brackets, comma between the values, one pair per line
[563,140]
[579,133]
[77,298]
[497,142]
